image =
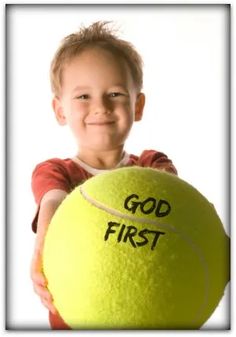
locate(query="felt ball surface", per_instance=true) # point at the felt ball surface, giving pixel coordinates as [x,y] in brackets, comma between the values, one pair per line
[136,248]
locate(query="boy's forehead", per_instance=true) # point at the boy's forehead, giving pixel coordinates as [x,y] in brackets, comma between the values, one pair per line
[96,66]
[95,54]
[99,58]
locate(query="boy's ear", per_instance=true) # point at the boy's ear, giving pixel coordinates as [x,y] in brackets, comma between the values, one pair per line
[139,106]
[58,109]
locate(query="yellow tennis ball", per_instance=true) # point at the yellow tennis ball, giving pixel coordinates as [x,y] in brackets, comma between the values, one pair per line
[136,248]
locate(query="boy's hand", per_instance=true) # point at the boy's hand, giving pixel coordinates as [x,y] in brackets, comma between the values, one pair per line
[40,283]
[49,203]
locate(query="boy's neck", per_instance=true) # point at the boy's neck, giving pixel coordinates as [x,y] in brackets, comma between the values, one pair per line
[102,159]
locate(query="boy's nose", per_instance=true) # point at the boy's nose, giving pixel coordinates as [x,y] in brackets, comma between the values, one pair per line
[102,106]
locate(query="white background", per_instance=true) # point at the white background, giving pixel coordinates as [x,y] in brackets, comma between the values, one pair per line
[184,49]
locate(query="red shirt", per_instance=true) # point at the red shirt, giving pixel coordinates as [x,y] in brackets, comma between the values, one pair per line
[65,174]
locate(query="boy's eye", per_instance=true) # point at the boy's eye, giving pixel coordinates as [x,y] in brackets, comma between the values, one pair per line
[82,97]
[115,94]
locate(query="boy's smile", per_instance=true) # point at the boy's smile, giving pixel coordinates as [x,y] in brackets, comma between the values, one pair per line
[101,123]
[98,101]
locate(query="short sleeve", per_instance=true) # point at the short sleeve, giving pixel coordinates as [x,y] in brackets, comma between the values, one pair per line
[158,160]
[49,175]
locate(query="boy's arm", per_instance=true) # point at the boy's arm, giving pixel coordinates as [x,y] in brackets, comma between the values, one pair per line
[48,206]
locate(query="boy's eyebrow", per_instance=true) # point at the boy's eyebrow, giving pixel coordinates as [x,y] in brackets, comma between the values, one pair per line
[78,87]
[118,85]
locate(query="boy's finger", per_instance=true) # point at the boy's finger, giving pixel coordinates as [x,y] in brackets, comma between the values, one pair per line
[39,278]
[43,293]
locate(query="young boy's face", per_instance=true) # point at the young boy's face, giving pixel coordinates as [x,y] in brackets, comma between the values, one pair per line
[98,100]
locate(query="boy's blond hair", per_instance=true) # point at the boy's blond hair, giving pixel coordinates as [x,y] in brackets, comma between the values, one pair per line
[98,34]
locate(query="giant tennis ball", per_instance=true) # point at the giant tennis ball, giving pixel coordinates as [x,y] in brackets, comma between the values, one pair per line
[136,248]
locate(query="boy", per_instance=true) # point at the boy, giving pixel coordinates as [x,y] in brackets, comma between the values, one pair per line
[96,80]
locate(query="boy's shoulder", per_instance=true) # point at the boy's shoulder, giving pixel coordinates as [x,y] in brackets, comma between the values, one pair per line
[54,162]
[149,154]
[155,159]
[58,168]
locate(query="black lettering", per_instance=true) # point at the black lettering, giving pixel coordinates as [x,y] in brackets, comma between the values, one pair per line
[131,231]
[150,208]
[121,233]
[133,205]
[141,234]
[156,237]
[110,230]
[150,205]
[131,234]
[159,210]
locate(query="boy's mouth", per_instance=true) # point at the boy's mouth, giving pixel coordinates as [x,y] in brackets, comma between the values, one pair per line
[101,123]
